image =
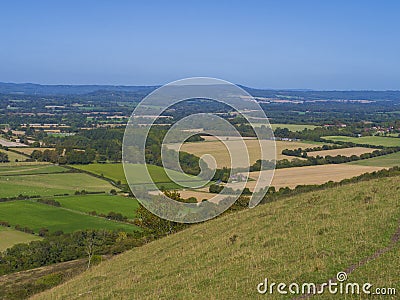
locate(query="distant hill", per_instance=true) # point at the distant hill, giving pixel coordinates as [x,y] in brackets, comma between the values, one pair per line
[307,238]
[39,89]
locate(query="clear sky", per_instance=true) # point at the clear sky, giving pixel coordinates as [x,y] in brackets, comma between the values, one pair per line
[265,44]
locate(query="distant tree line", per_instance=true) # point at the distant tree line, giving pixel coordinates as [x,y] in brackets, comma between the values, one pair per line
[70,157]
[220,189]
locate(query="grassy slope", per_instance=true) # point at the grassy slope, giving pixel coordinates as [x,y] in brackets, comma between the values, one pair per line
[306,238]
[10,237]
[111,171]
[36,215]
[46,185]
[370,140]
[389,160]
[101,204]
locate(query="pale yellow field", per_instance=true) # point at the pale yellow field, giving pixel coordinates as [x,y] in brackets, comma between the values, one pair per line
[29,150]
[291,177]
[199,195]
[221,154]
[345,152]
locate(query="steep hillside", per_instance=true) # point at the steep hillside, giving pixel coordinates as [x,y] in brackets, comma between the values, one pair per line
[306,238]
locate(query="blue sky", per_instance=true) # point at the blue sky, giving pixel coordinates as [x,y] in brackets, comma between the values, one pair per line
[265,44]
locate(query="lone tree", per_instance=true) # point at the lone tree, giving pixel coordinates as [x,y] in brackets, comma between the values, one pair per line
[92,242]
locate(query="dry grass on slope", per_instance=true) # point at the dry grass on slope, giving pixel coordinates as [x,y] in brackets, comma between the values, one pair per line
[305,238]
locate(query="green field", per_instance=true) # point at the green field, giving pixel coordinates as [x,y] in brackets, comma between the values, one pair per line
[101,204]
[307,238]
[12,156]
[388,161]
[36,215]
[367,140]
[116,172]
[50,184]
[293,127]
[10,237]
[30,169]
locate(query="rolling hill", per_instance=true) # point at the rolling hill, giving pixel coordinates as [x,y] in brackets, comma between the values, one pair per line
[305,238]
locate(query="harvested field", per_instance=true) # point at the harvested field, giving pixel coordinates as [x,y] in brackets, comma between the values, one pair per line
[344,152]
[199,195]
[221,154]
[291,177]
[7,143]
[29,150]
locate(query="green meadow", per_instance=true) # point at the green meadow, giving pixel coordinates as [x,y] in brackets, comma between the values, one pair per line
[387,161]
[37,215]
[51,184]
[135,173]
[367,140]
[30,169]
[10,237]
[101,204]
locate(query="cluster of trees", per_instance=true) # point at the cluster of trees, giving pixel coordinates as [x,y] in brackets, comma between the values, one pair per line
[299,152]
[110,216]
[312,134]
[217,189]
[69,157]
[295,152]
[106,142]
[3,157]
[19,197]
[17,227]
[51,202]
[58,247]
